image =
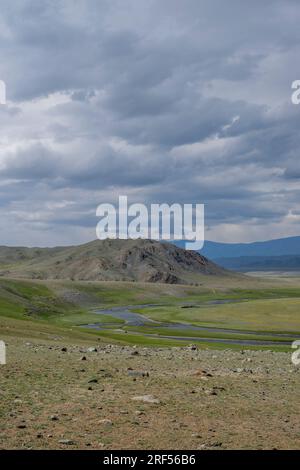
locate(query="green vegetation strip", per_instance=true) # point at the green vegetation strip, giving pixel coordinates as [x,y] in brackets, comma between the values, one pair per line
[39,305]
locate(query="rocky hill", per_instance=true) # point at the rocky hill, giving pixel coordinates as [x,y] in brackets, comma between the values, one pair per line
[114,260]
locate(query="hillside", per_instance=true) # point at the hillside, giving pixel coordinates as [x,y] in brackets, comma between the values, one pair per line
[114,260]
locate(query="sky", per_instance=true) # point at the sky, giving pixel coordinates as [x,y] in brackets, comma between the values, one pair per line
[165,101]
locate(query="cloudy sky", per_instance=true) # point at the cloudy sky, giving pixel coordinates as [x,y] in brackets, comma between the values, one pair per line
[161,100]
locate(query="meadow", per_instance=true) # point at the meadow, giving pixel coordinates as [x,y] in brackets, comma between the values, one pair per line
[234,311]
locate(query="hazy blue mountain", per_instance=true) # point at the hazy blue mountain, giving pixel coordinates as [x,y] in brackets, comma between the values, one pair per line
[279,247]
[261,263]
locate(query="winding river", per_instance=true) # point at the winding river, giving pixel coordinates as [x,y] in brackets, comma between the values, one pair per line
[131,318]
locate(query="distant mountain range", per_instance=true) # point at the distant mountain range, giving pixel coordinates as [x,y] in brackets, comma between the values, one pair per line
[261,263]
[278,247]
[148,260]
[279,254]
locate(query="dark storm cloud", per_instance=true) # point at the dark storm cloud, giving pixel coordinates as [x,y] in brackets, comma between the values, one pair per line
[164,101]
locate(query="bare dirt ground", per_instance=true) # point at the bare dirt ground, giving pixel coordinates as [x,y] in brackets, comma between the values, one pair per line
[137,398]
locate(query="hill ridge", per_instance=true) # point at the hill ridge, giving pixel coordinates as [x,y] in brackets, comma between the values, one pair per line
[119,260]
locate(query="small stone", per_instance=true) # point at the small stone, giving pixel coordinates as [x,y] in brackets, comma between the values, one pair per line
[92,350]
[66,442]
[83,358]
[201,373]
[106,422]
[210,392]
[93,381]
[216,444]
[202,447]
[64,350]
[137,373]
[147,399]
[54,418]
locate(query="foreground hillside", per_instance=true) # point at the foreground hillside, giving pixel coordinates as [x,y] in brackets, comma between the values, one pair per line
[118,397]
[109,260]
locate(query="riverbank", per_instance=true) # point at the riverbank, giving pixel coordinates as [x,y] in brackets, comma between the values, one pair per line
[145,326]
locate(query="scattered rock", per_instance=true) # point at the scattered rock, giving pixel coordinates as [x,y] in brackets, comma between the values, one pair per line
[202,373]
[107,375]
[92,350]
[66,442]
[54,418]
[137,373]
[64,350]
[83,358]
[210,392]
[147,399]
[106,422]
[202,447]
[93,381]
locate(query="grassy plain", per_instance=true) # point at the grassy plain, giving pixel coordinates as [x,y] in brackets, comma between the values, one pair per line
[262,306]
